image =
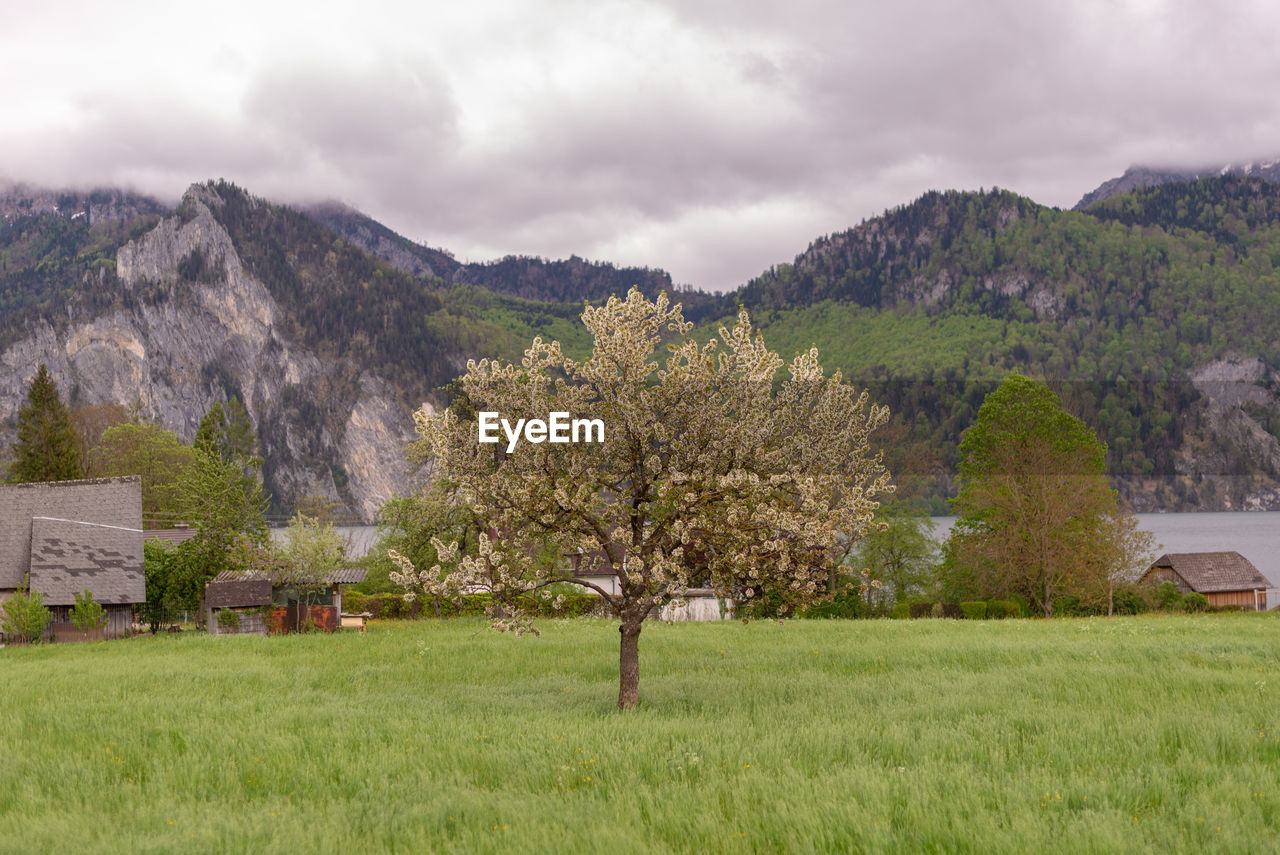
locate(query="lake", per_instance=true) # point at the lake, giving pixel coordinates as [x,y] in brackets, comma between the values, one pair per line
[1255,535]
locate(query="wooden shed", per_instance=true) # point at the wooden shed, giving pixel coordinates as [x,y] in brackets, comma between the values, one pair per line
[261,603]
[1225,578]
[68,537]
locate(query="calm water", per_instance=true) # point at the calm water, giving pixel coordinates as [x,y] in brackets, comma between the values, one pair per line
[361,538]
[1255,535]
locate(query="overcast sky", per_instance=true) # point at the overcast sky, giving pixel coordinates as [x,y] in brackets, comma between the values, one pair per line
[711,138]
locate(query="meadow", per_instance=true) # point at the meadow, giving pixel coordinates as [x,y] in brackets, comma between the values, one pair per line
[1156,734]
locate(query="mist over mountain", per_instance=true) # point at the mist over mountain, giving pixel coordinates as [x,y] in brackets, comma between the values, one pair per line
[1139,177]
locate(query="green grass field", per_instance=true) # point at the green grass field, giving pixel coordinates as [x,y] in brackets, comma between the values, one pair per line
[1129,734]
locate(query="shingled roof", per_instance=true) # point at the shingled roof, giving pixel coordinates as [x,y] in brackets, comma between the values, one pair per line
[69,557]
[1211,572]
[344,576]
[106,502]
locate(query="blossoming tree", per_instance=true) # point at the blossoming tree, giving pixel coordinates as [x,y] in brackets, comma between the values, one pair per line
[710,474]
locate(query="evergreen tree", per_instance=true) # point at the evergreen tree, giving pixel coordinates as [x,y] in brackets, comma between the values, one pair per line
[46,449]
[228,431]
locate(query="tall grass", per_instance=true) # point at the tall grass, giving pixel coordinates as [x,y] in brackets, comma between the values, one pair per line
[1136,734]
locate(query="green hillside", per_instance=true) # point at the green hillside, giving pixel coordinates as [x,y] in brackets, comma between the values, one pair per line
[1116,307]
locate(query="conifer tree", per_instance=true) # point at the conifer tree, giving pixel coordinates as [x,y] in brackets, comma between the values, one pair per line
[46,448]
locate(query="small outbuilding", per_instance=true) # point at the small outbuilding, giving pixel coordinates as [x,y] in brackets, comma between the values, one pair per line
[68,537]
[1225,578]
[255,603]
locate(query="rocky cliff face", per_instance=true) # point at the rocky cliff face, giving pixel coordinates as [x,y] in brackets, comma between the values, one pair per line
[320,433]
[1229,459]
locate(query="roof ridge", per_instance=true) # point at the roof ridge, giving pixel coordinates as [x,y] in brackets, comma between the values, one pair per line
[82,522]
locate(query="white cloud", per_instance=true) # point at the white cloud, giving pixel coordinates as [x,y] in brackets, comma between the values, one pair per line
[710,138]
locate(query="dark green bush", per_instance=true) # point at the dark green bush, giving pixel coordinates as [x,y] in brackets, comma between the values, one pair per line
[1128,600]
[1069,606]
[952,611]
[1167,596]
[393,606]
[921,610]
[1001,609]
[901,611]
[974,610]
[843,605]
[1194,602]
[23,616]
[88,614]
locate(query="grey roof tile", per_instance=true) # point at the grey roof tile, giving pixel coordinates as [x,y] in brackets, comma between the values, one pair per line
[1212,572]
[107,501]
[69,557]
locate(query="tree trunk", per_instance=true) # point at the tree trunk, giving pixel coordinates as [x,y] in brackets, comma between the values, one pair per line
[629,664]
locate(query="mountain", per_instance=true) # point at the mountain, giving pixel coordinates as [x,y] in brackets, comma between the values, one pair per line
[1140,177]
[105,203]
[1129,309]
[570,280]
[329,348]
[1153,314]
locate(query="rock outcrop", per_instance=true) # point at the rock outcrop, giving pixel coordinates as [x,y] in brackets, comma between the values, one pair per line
[212,337]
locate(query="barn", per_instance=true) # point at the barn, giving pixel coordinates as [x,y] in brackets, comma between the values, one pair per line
[254,602]
[69,537]
[1225,578]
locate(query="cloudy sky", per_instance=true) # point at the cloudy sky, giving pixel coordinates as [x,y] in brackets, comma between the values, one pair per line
[711,138]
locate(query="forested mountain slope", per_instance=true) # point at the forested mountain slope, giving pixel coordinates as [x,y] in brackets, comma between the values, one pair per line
[1140,177]
[570,280]
[329,348]
[1127,308]
[1154,313]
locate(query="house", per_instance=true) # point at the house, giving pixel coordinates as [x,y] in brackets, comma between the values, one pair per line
[69,537]
[255,603]
[170,536]
[1225,578]
[700,604]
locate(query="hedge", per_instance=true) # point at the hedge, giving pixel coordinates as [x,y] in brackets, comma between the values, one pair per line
[1001,609]
[901,611]
[394,606]
[974,610]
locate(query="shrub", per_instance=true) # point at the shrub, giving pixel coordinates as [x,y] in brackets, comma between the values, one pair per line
[950,610]
[1001,609]
[393,606]
[1068,605]
[842,605]
[974,610]
[1167,596]
[229,620]
[922,610]
[87,614]
[901,611]
[24,615]
[1128,600]
[1194,602]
